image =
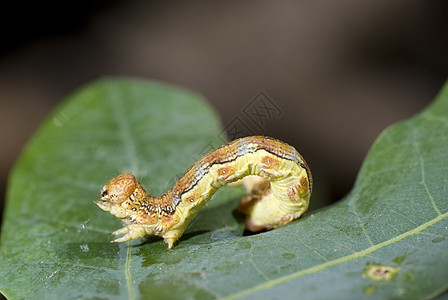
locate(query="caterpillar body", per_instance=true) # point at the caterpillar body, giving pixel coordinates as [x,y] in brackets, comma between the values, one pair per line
[281,196]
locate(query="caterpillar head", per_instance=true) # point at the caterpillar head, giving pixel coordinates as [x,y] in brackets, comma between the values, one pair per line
[119,188]
[122,196]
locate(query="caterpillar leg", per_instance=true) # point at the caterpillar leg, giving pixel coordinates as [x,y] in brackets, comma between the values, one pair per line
[170,242]
[255,187]
[268,206]
[130,232]
[171,236]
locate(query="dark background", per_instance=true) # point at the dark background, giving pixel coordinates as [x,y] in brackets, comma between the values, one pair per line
[340,71]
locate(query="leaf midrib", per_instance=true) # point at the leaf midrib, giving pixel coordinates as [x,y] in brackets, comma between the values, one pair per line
[320,267]
[129,283]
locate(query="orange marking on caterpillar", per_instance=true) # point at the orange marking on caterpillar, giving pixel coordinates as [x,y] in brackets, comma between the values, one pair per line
[226,173]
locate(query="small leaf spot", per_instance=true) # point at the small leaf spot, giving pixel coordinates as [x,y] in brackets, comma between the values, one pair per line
[438,239]
[400,259]
[369,290]
[377,273]
[288,255]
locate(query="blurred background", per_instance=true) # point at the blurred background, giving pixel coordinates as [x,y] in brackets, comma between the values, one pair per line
[335,73]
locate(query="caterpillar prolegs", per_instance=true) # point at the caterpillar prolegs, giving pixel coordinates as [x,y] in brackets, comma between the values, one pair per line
[281,194]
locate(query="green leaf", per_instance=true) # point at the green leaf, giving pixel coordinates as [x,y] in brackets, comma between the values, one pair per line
[386,239]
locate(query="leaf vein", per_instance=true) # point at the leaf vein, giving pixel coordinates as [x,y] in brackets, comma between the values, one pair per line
[309,247]
[362,227]
[351,207]
[264,276]
[129,283]
[423,179]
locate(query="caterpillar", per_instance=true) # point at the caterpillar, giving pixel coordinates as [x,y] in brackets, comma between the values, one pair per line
[280,195]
